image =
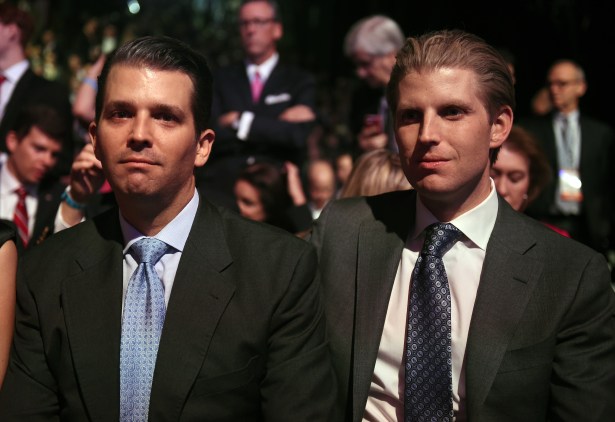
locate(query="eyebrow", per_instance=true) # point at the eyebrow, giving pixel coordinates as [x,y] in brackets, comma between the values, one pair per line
[158,107]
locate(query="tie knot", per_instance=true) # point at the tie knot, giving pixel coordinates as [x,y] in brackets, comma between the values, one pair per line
[439,237]
[148,250]
[21,192]
[2,79]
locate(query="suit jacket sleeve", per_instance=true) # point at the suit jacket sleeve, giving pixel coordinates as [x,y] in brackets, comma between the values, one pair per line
[583,378]
[30,392]
[272,130]
[298,364]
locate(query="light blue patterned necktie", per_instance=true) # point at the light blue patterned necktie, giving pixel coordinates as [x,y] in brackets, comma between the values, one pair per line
[143,318]
[428,386]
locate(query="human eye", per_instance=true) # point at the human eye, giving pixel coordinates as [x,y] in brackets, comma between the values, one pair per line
[453,112]
[166,117]
[408,116]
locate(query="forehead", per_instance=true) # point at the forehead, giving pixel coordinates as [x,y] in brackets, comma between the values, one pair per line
[564,70]
[441,84]
[40,138]
[256,9]
[132,83]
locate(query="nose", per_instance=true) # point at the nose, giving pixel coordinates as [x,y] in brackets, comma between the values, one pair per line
[140,131]
[501,186]
[428,130]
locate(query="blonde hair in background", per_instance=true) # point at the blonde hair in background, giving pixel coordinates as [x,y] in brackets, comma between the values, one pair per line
[375,172]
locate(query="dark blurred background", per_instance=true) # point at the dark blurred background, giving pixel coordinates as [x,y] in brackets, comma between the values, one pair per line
[535,31]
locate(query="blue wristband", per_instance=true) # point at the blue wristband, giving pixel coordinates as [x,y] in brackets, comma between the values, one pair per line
[91,82]
[71,202]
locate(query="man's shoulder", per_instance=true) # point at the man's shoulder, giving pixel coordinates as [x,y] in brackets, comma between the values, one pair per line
[386,207]
[253,234]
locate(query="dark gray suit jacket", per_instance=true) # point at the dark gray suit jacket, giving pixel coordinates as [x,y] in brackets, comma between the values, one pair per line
[243,339]
[541,344]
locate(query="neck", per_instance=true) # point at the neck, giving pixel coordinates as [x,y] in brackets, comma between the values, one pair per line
[258,60]
[11,57]
[150,214]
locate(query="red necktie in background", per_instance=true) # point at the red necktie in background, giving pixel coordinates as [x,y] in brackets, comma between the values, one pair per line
[257,87]
[20,217]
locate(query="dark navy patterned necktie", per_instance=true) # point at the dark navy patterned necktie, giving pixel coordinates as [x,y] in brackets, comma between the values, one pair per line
[428,386]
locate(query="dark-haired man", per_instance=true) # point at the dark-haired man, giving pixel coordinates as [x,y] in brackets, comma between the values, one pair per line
[166,308]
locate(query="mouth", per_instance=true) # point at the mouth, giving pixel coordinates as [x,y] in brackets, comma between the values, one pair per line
[138,161]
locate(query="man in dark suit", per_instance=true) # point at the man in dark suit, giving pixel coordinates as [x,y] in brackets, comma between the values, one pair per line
[514,322]
[263,109]
[227,321]
[34,143]
[21,87]
[581,151]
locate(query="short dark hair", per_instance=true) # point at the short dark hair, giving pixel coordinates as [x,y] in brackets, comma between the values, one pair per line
[164,53]
[272,185]
[9,13]
[45,118]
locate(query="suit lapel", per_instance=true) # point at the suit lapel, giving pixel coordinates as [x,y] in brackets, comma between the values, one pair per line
[200,294]
[92,303]
[380,245]
[507,280]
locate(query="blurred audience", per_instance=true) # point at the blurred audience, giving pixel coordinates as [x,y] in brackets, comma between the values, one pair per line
[263,108]
[372,44]
[521,171]
[262,192]
[8,264]
[27,195]
[375,172]
[321,185]
[581,152]
[20,86]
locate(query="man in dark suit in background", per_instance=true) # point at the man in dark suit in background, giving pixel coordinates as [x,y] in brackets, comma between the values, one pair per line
[19,86]
[581,151]
[224,324]
[509,321]
[34,143]
[372,43]
[262,107]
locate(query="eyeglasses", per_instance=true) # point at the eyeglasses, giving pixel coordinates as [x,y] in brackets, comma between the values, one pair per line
[561,84]
[257,22]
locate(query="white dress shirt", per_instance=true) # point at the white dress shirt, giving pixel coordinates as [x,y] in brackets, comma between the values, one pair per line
[264,71]
[12,74]
[463,264]
[173,234]
[8,197]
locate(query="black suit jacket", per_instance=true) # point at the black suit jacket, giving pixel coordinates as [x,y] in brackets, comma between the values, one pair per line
[597,175]
[243,339]
[32,89]
[542,334]
[269,138]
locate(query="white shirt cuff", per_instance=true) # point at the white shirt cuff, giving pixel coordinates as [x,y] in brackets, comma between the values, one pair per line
[245,123]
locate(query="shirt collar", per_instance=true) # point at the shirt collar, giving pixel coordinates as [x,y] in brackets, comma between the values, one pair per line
[476,224]
[573,116]
[264,69]
[174,234]
[9,184]
[15,72]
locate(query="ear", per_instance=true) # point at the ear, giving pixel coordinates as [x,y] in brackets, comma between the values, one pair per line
[581,89]
[11,141]
[92,131]
[500,128]
[203,147]
[278,31]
